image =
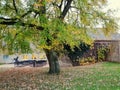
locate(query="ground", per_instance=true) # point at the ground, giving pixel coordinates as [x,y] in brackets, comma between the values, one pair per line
[99,76]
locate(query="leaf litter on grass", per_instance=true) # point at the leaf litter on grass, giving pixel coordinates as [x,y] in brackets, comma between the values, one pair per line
[92,77]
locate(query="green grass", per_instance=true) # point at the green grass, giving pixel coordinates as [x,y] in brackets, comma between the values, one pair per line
[1,63]
[100,76]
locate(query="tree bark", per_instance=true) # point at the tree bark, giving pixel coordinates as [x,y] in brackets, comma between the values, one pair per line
[54,67]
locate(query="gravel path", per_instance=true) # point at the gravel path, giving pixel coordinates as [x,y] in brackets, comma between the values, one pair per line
[7,66]
[12,66]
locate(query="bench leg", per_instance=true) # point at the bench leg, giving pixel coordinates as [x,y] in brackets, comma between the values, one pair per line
[34,63]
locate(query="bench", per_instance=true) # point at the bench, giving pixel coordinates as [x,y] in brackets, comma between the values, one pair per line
[28,62]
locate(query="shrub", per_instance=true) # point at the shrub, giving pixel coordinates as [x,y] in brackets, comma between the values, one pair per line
[76,54]
[102,53]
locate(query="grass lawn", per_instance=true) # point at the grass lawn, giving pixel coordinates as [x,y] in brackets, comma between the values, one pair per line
[1,63]
[100,76]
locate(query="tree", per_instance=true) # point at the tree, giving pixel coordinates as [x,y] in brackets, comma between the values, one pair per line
[51,24]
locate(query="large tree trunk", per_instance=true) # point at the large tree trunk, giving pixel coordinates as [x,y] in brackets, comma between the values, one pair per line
[52,56]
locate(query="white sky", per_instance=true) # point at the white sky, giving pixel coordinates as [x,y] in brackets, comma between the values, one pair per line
[115,5]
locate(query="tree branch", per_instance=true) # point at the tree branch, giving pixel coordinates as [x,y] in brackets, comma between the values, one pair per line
[14,4]
[75,7]
[66,8]
[9,6]
[13,21]
[21,23]
[7,19]
[54,4]
[61,4]
[26,13]
[22,16]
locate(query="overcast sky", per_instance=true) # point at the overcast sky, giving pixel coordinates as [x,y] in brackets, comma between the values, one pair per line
[115,5]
